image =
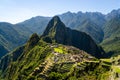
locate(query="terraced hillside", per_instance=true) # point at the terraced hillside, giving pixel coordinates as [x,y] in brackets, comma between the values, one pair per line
[56,56]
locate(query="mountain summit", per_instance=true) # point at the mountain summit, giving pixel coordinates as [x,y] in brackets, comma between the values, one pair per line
[54,24]
[57,32]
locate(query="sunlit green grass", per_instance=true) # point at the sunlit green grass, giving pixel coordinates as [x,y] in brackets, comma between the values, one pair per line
[116,68]
[60,50]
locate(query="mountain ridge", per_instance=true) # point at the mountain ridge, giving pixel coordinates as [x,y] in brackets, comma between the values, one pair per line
[44,59]
[57,32]
[77,21]
[48,57]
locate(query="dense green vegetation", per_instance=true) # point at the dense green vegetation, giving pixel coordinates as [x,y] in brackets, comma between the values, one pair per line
[48,58]
[111,46]
[10,38]
[111,42]
[52,55]
[3,51]
[43,62]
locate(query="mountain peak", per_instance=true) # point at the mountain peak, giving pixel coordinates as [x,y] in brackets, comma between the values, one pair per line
[57,32]
[56,18]
[54,24]
[33,40]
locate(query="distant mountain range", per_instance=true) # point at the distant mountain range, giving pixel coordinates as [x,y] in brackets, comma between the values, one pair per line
[97,25]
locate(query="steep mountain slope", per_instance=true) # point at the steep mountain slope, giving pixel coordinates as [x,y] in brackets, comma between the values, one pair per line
[41,59]
[12,36]
[18,34]
[44,58]
[114,13]
[98,26]
[13,56]
[9,37]
[89,22]
[23,31]
[53,62]
[111,41]
[57,32]
[92,29]
[73,21]
[3,51]
[36,24]
[111,29]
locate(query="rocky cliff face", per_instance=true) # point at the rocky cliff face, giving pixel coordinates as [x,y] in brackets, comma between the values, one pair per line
[57,32]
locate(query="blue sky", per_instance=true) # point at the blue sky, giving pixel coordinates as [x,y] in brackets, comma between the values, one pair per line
[15,11]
